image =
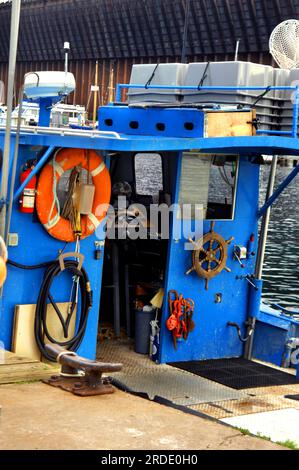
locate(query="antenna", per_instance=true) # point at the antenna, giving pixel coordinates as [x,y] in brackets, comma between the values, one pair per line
[66,49]
[284,44]
[185,35]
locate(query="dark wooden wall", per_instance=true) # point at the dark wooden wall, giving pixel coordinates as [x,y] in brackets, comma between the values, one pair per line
[118,33]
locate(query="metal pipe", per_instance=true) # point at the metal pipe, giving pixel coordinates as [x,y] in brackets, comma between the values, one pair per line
[266,220]
[279,190]
[260,263]
[66,48]
[259,132]
[14,36]
[213,88]
[295,113]
[237,50]
[36,169]
[95,94]
[14,165]
[64,131]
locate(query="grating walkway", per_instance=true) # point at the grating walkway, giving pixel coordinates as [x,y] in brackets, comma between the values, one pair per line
[141,375]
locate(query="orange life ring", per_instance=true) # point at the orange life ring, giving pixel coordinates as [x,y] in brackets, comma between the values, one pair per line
[64,160]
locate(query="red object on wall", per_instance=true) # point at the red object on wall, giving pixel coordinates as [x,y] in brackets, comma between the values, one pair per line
[27,200]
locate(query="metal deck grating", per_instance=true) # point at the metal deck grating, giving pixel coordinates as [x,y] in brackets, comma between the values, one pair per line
[141,375]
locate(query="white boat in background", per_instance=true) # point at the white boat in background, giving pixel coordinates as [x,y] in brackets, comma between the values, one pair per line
[3,114]
[62,115]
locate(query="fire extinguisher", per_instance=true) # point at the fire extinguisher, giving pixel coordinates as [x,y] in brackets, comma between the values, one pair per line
[27,200]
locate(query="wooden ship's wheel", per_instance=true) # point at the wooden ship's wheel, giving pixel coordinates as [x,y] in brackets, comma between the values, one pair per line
[209,256]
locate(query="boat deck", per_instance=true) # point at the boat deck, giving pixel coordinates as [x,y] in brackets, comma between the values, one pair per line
[163,383]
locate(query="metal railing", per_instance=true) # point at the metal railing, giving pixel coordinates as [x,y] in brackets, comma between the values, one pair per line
[292,133]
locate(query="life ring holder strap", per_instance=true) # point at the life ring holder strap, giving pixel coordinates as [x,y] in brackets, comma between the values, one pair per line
[77,255]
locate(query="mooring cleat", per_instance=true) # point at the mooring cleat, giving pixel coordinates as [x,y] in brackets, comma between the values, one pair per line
[79,375]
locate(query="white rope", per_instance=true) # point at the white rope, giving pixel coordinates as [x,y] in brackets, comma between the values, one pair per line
[56,202]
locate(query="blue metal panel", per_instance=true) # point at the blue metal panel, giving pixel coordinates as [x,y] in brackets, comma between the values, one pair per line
[212,338]
[273,330]
[272,145]
[269,343]
[174,88]
[37,246]
[255,145]
[152,121]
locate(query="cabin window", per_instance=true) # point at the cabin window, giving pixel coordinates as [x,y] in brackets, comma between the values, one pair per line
[210,181]
[148,174]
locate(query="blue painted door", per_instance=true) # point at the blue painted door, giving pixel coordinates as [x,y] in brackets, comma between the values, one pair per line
[212,338]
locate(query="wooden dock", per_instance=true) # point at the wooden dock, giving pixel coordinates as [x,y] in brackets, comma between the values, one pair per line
[18,369]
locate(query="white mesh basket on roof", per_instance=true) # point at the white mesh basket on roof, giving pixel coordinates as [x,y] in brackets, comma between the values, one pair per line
[284,44]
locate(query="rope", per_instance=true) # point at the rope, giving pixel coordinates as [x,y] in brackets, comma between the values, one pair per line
[151,77]
[69,212]
[204,76]
[56,202]
[41,329]
[261,96]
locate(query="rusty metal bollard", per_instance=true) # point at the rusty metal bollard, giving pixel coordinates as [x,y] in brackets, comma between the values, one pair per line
[80,376]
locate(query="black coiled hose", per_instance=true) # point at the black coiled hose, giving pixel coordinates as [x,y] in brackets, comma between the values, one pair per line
[40,325]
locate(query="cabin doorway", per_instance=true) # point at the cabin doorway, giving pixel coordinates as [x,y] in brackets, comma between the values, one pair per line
[136,251]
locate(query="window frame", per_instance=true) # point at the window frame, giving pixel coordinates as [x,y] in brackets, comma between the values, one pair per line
[134,171]
[234,197]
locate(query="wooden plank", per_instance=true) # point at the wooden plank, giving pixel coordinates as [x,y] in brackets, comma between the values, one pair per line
[25,372]
[229,124]
[11,358]
[24,343]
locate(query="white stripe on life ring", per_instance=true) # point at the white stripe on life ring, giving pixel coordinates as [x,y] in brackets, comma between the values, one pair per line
[52,222]
[98,170]
[93,220]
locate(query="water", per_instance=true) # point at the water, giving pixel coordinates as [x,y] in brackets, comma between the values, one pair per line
[281,273]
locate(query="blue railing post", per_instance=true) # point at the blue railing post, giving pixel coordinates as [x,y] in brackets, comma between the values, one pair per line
[295,113]
[118,93]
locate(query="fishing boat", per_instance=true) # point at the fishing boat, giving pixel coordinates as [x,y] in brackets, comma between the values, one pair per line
[149,227]
[62,115]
